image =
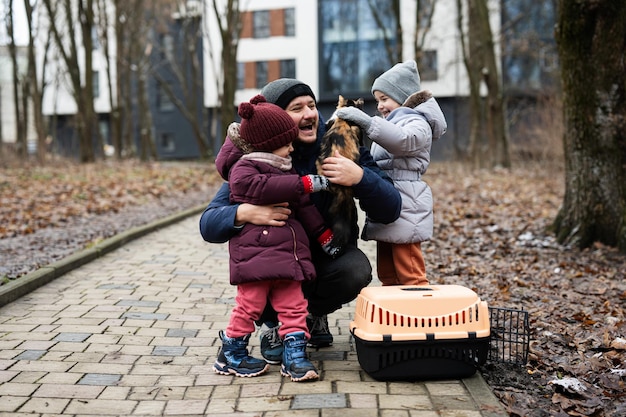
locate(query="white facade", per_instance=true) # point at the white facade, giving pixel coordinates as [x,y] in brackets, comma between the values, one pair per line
[302,47]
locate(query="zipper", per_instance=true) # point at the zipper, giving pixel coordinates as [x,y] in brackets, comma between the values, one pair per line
[293,235]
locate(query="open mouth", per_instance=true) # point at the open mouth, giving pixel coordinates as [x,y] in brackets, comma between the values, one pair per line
[308,127]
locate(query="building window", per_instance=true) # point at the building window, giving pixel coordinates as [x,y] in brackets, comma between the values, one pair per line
[261,24]
[167,47]
[95,39]
[288,68]
[96,84]
[428,66]
[290,22]
[261,74]
[241,75]
[167,142]
[164,103]
[354,49]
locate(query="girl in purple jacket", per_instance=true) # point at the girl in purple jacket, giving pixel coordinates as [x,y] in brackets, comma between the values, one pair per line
[270,262]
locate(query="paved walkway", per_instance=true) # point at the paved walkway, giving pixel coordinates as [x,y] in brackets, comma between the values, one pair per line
[135,332]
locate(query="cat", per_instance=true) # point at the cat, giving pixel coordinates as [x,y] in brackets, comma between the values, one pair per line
[347,138]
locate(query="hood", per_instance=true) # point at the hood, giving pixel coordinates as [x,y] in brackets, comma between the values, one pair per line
[229,153]
[424,103]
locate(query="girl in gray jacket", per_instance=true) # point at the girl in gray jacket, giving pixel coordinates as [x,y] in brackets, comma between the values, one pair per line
[410,120]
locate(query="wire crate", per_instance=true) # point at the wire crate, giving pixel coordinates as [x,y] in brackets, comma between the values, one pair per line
[510,336]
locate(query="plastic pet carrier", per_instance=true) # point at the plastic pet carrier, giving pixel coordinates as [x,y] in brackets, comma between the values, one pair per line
[410,332]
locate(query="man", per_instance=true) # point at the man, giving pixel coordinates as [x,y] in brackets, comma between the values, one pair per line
[339,280]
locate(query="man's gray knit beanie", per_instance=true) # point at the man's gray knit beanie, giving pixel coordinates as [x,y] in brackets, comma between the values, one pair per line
[399,82]
[283,90]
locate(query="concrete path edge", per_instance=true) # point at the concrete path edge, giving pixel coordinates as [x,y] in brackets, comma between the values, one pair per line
[21,286]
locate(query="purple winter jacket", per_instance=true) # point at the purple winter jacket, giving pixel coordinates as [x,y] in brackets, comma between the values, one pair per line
[269,252]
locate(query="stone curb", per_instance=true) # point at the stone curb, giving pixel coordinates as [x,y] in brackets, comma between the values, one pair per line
[15,289]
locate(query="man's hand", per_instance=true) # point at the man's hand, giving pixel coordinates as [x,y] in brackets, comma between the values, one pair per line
[341,170]
[274,215]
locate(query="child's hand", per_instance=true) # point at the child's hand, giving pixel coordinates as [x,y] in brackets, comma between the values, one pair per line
[329,245]
[356,116]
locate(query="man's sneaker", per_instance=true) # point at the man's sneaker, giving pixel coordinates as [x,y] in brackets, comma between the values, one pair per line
[296,365]
[271,346]
[320,334]
[233,358]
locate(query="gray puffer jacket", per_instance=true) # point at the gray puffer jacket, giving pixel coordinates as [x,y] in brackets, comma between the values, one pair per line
[401,147]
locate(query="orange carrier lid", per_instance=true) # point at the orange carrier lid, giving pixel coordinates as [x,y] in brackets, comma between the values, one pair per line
[424,312]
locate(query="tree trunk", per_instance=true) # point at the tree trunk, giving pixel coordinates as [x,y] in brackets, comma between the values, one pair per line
[230,30]
[37,85]
[591,37]
[20,127]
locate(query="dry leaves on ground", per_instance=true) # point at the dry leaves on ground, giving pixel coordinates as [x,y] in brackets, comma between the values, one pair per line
[33,198]
[492,235]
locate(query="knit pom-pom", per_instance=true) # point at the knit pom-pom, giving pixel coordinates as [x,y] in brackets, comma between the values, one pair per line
[258,99]
[246,110]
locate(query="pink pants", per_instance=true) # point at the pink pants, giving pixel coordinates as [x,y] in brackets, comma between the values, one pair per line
[286,298]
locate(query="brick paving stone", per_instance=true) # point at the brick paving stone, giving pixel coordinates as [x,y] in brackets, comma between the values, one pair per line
[7,375]
[18,389]
[149,408]
[348,412]
[60,378]
[44,405]
[72,337]
[260,390]
[317,387]
[185,407]
[68,391]
[99,379]
[31,377]
[259,404]
[114,393]
[319,401]
[101,407]
[198,393]
[413,402]
[361,387]
[368,401]
[191,333]
[408,388]
[30,355]
[221,406]
[171,393]
[11,403]
[176,380]
[169,350]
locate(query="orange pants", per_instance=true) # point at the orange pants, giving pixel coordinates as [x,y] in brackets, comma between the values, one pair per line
[400,264]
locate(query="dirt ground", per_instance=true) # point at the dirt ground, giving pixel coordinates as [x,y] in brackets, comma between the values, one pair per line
[491,235]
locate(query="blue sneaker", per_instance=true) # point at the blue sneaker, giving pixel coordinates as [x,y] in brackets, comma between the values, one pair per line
[271,346]
[296,365]
[233,358]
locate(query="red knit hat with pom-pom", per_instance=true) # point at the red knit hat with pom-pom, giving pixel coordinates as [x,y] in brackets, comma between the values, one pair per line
[265,126]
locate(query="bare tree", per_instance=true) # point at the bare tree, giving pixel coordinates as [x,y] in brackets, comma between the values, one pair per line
[229,23]
[181,60]
[21,112]
[65,19]
[37,80]
[591,35]
[489,139]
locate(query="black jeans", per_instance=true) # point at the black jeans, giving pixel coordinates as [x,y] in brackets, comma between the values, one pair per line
[338,282]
